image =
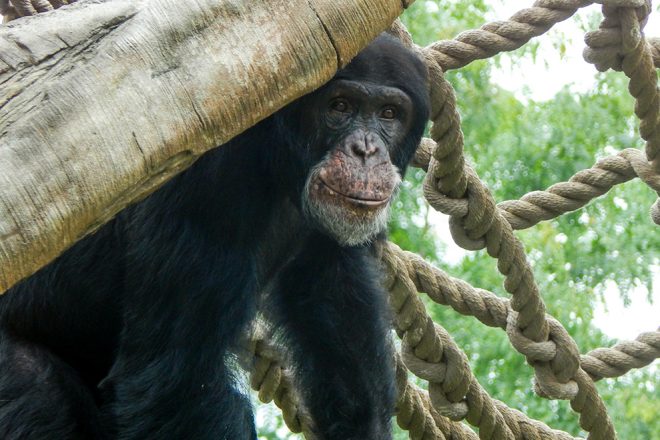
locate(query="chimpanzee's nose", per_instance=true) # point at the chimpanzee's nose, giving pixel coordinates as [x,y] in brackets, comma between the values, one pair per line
[364,145]
[363,148]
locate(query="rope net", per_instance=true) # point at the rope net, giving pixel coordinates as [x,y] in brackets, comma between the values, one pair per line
[477,222]
[452,187]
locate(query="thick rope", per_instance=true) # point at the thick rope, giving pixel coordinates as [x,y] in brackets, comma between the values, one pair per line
[620,45]
[580,189]
[654,43]
[431,354]
[558,376]
[624,356]
[607,48]
[274,384]
[562,197]
[503,36]
[493,311]
[414,411]
[485,225]
[416,414]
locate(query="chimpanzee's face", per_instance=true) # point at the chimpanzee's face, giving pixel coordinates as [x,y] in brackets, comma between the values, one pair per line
[359,126]
[352,139]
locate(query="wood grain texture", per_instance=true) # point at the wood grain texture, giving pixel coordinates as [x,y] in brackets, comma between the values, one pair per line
[103,101]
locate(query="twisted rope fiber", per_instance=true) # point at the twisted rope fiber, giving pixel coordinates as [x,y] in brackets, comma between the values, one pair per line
[580,189]
[633,56]
[431,354]
[492,232]
[619,45]
[445,178]
[416,414]
[414,411]
[484,221]
[562,197]
[500,36]
[493,311]
[624,356]
[272,384]
[556,377]
[505,36]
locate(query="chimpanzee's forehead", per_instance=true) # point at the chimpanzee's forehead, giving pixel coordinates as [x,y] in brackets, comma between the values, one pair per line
[366,90]
[385,61]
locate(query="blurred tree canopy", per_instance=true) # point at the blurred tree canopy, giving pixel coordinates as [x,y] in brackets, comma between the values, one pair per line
[517,145]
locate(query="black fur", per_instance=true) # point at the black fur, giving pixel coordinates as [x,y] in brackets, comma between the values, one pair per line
[129,334]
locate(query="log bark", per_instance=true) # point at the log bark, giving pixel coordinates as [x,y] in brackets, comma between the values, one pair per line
[103,101]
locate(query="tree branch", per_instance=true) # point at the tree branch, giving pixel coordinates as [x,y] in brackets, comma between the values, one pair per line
[101,102]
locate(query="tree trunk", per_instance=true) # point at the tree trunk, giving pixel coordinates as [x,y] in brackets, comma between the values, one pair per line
[101,102]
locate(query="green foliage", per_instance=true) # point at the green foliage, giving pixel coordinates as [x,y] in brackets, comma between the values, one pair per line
[434,20]
[270,425]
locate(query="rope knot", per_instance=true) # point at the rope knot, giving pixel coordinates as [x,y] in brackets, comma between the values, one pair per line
[449,375]
[619,34]
[555,360]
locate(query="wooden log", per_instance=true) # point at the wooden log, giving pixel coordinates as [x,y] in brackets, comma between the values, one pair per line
[102,101]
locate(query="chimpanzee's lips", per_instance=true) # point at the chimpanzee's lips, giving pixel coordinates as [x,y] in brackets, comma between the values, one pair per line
[363,202]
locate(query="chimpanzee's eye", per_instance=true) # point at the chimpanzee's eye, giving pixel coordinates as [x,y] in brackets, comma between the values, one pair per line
[340,105]
[388,113]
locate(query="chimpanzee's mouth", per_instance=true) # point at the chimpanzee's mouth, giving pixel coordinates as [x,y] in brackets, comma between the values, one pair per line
[359,201]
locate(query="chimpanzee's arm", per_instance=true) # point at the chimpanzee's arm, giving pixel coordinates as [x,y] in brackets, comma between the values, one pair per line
[191,287]
[336,321]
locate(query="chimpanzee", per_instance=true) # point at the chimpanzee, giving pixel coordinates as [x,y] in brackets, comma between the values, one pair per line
[130,333]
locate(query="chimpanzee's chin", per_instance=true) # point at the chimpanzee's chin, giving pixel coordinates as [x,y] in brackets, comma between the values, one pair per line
[350,222]
[346,232]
